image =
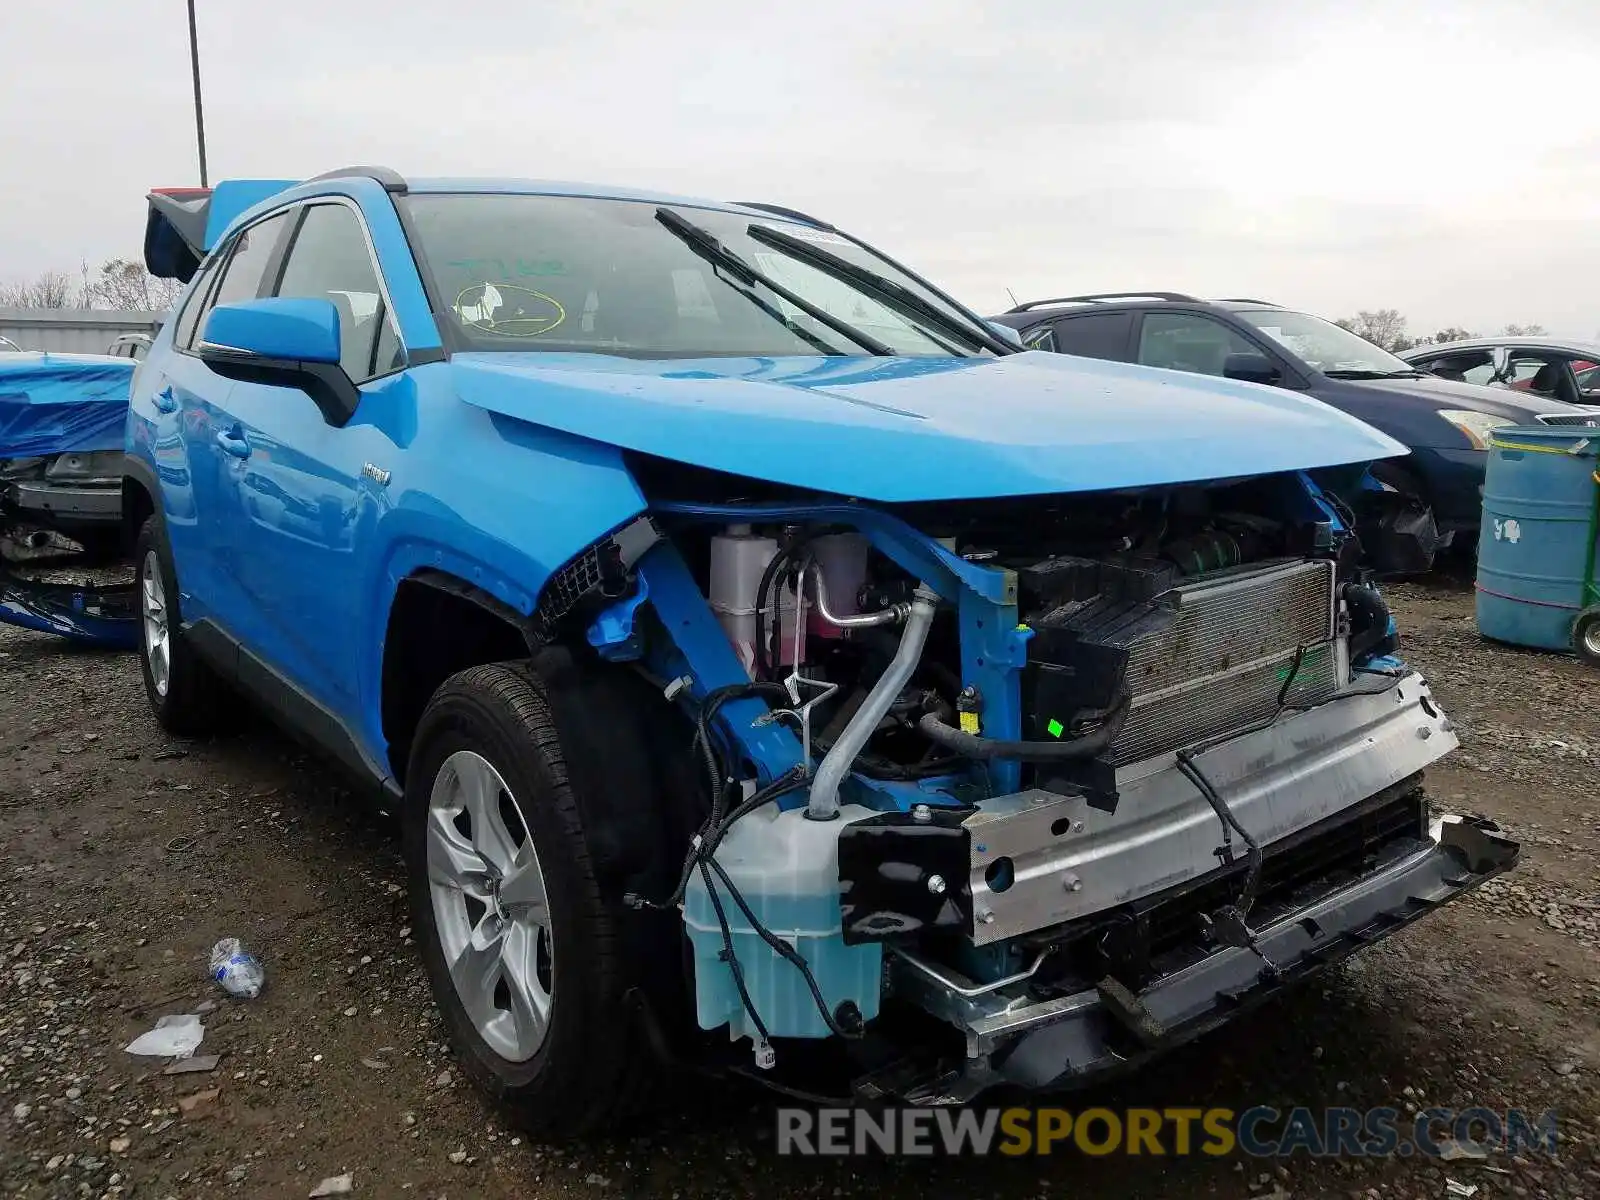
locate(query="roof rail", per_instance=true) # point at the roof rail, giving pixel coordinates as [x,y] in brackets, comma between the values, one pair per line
[391,180]
[1248,300]
[1097,297]
[779,211]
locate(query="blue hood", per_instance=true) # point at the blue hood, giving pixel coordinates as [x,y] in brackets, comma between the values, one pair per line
[904,429]
[60,403]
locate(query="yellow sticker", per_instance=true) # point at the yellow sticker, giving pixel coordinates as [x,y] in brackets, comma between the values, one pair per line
[969,722]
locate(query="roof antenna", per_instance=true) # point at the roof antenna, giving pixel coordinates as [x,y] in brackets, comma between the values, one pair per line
[1013,295]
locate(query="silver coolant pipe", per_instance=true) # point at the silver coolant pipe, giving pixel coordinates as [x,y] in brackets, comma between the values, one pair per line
[841,757]
[887,616]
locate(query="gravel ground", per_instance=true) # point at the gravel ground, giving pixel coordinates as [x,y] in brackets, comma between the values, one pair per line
[127,856]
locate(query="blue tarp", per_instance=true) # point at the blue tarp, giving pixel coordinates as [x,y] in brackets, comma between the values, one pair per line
[54,403]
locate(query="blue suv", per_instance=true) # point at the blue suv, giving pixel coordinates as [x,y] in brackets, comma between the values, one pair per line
[761,652]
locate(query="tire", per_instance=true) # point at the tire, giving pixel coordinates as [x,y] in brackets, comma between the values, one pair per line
[1586,635]
[490,729]
[188,698]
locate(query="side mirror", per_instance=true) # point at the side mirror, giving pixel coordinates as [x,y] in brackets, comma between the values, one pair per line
[1006,333]
[287,342]
[1250,368]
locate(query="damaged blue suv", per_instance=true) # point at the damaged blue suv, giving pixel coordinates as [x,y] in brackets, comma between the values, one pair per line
[775,670]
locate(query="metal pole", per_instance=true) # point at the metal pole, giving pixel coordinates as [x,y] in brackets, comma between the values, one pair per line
[199,115]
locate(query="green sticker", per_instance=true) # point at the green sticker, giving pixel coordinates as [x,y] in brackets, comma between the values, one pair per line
[1055,728]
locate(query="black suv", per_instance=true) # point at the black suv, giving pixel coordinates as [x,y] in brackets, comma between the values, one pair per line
[1445,424]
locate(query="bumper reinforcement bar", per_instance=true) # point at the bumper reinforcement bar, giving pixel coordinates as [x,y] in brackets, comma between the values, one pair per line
[106,616]
[1066,1041]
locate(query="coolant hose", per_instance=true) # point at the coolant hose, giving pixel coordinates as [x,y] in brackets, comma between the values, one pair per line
[972,745]
[1369,621]
[824,805]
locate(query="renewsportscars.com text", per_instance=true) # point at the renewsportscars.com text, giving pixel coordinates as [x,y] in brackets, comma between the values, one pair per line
[1261,1132]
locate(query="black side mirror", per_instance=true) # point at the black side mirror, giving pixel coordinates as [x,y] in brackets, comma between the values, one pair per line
[1250,368]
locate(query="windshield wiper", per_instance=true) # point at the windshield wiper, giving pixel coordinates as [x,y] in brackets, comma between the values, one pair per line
[1363,374]
[713,251]
[895,295]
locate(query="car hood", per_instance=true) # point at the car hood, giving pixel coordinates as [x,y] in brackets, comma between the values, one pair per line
[61,403]
[902,429]
[1448,394]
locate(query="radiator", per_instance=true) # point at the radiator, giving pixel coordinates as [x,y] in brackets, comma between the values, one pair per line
[1224,659]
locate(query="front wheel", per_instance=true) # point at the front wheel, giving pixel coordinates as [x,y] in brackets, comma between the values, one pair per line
[524,956]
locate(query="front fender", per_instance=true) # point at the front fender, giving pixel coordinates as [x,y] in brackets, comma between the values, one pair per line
[530,501]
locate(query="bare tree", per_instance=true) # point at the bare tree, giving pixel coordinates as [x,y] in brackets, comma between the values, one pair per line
[123,284]
[1453,333]
[53,289]
[1524,330]
[1385,327]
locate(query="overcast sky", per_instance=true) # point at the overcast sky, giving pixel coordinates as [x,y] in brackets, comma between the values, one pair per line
[1437,156]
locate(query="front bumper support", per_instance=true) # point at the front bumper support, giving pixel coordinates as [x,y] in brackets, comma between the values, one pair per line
[1069,1040]
[95,616]
[1039,859]
[86,501]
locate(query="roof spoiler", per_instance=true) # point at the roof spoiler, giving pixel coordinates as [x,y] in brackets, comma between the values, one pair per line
[183,224]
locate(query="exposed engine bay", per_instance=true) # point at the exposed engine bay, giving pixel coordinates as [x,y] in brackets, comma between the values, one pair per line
[1150,622]
[1062,774]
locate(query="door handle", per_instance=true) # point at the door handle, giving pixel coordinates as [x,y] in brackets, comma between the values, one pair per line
[233,442]
[165,401]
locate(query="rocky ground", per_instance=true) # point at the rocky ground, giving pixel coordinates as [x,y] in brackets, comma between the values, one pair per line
[126,856]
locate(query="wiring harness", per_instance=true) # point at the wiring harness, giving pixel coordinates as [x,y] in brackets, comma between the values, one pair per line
[701,857]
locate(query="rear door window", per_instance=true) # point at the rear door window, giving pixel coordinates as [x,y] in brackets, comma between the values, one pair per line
[1587,374]
[1094,335]
[1542,373]
[252,251]
[247,264]
[189,318]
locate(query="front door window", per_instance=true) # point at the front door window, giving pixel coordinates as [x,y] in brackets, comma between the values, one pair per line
[1189,342]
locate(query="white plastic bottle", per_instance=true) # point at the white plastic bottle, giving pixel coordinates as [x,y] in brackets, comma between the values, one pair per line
[739,557]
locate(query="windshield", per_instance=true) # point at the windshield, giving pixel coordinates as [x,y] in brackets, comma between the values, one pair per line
[566,273]
[1325,346]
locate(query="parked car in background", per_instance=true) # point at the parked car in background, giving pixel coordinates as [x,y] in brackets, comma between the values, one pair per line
[61,429]
[1445,423]
[130,345]
[61,423]
[1551,367]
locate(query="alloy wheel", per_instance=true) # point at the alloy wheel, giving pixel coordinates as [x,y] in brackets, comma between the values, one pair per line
[490,905]
[157,631]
